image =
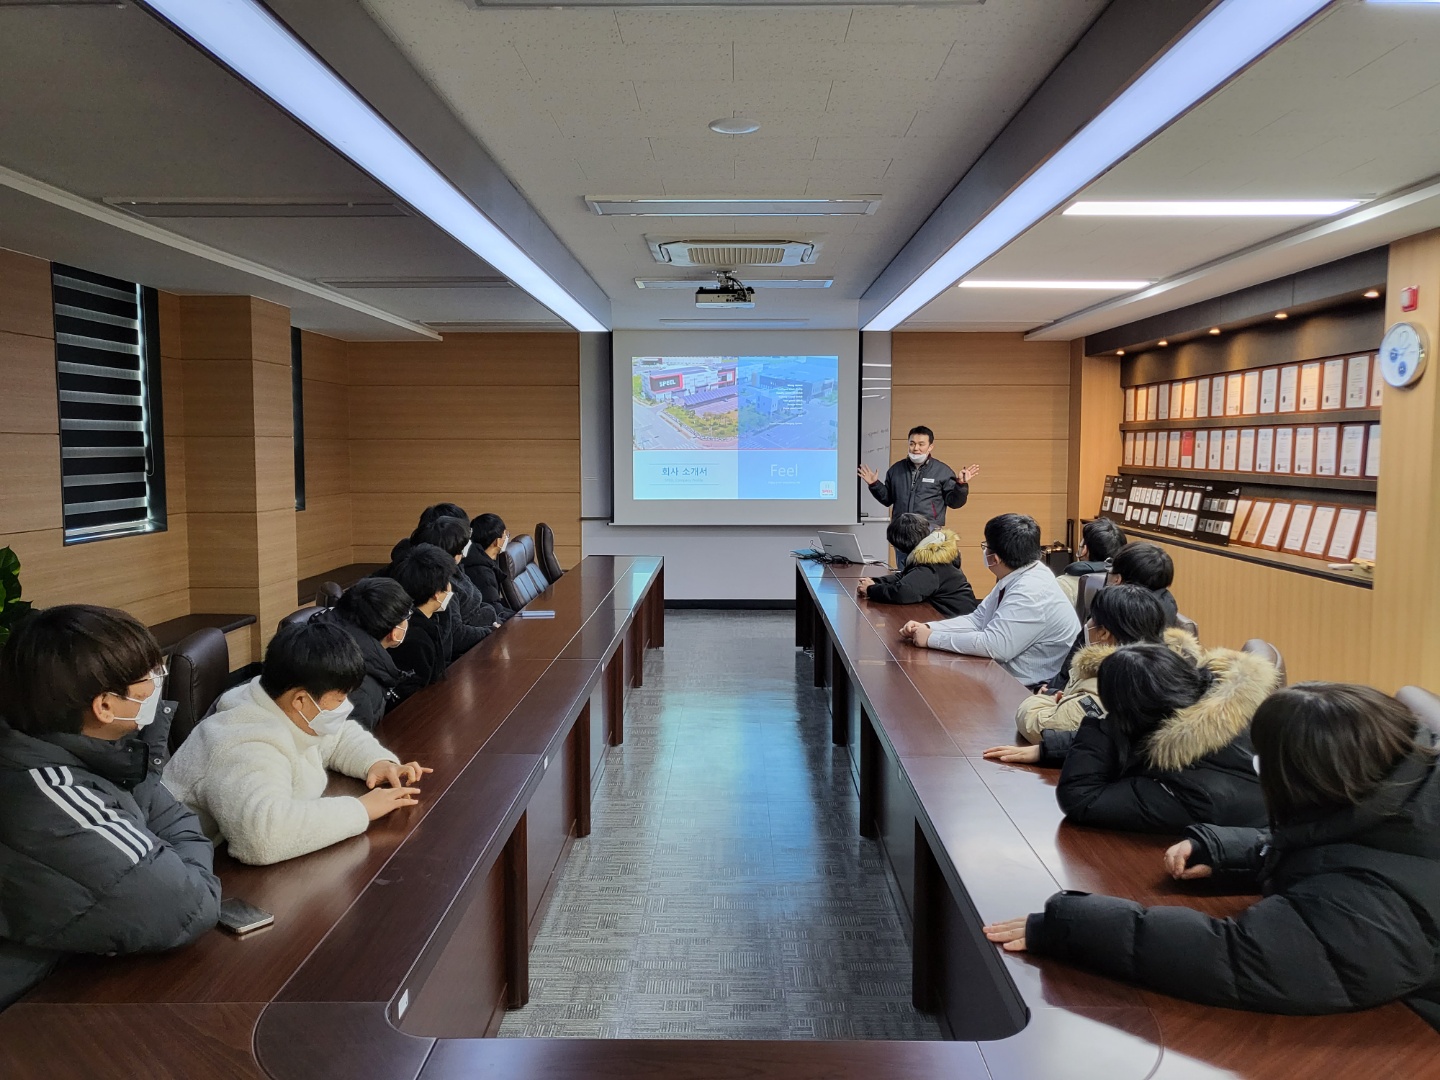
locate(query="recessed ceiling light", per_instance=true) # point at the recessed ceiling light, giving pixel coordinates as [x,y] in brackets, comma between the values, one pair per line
[1162,343]
[1119,352]
[1374,294]
[847,206]
[733,125]
[1213,208]
[1101,286]
[1214,330]
[1281,315]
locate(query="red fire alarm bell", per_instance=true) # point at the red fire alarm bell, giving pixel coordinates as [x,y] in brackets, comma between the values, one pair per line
[1409,298]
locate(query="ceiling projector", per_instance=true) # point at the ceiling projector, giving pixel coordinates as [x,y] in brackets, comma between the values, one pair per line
[729,292]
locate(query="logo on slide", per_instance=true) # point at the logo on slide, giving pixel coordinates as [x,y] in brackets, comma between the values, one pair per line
[827,489]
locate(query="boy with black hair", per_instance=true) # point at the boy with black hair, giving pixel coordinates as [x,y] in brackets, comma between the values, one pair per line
[1100,540]
[427,574]
[1150,566]
[255,769]
[96,856]
[472,619]
[482,564]
[929,571]
[375,612]
[919,483]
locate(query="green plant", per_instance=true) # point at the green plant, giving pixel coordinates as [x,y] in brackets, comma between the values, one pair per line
[11,606]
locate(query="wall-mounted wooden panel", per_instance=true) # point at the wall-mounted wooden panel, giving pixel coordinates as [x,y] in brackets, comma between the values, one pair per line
[945,359]
[1097,406]
[1027,466]
[497,464]
[540,412]
[327,410]
[324,358]
[25,306]
[28,402]
[323,534]
[998,412]
[327,467]
[495,360]
[218,397]
[32,496]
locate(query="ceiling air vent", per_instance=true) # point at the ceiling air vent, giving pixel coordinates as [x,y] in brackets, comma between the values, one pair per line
[729,253]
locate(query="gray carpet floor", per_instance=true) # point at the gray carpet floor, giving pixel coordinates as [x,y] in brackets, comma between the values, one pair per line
[725,891]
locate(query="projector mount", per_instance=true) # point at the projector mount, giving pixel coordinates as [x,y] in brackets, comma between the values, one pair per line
[729,291]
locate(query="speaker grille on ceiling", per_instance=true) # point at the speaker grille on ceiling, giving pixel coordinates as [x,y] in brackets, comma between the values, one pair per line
[728,254]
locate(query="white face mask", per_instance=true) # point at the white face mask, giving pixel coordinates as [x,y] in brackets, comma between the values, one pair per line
[148,706]
[398,634]
[327,721]
[918,459]
[466,549]
[445,600]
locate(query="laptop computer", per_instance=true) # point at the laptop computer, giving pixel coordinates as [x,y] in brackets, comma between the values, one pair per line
[844,545]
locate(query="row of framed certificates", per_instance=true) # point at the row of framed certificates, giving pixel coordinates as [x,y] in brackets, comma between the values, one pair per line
[1316,530]
[1335,450]
[1340,382]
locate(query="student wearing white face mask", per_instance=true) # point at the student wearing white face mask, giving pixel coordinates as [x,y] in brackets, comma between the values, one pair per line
[426,573]
[255,770]
[96,856]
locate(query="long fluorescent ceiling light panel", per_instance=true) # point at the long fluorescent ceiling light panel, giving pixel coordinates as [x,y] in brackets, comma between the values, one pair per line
[251,42]
[1197,208]
[856,206]
[1234,34]
[1103,286]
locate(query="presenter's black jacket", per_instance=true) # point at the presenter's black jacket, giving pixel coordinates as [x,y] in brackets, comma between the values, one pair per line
[385,684]
[930,575]
[1350,917]
[925,489]
[425,650]
[487,576]
[1196,766]
[96,855]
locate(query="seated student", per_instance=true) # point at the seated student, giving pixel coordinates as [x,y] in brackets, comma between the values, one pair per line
[255,769]
[1119,615]
[96,856]
[930,573]
[1350,872]
[1147,565]
[1173,747]
[427,575]
[482,565]
[375,612]
[1025,623]
[472,619]
[1100,540]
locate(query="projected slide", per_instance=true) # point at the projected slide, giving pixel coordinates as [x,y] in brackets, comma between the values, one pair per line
[735,427]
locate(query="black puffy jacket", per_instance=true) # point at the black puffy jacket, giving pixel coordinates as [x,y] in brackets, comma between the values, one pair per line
[930,575]
[487,576]
[1350,917]
[385,684]
[1197,766]
[926,489]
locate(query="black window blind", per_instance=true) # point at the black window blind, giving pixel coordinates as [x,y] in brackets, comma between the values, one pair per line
[107,368]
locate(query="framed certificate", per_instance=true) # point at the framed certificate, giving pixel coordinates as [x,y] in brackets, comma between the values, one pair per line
[1275,528]
[1177,399]
[1152,403]
[1245,460]
[1255,523]
[1264,449]
[1232,450]
[1129,404]
[1318,538]
[1163,409]
[1332,385]
[1202,398]
[1237,523]
[1187,450]
[1250,394]
[1128,456]
[1372,451]
[1216,447]
[1187,400]
[1269,389]
[1202,449]
[1299,527]
[1304,464]
[1327,450]
[1284,449]
[1352,450]
[1172,459]
[1377,383]
[1150,442]
[1217,396]
[1289,388]
[1310,387]
[1357,382]
[1342,540]
[1365,547]
[1234,393]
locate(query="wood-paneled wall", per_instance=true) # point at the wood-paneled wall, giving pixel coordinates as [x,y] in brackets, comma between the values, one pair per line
[323,530]
[146,575]
[489,421]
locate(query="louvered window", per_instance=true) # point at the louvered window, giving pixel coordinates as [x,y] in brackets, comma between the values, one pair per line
[107,365]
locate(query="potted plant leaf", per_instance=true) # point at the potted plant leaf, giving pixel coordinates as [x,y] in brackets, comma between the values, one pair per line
[12,608]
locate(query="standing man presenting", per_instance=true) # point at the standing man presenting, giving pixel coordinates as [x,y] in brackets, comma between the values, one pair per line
[920,484]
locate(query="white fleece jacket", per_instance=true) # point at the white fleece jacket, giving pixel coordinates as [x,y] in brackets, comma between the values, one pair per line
[258,781]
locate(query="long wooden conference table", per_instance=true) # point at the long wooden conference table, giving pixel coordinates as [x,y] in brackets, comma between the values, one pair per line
[394,954]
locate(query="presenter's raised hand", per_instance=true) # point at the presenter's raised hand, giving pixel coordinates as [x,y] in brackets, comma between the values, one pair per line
[867,474]
[968,473]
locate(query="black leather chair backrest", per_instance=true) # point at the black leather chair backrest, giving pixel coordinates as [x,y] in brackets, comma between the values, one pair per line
[545,552]
[1260,647]
[1090,584]
[328,595]
[1422,703]
[524,580]
[305,614]
[199,673]
[1184,622]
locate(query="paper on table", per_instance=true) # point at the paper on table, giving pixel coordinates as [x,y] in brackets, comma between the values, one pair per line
[1304,451]
[1309,387]
[1299,526]
[1187,401]
[1372,451]
[1365,549]
[1319,534]
[1264,449]
[1177,396]
[1342,541]
[1129,405]
[1352,450]
[1250,396]
[1377,383]
[1327,440]
[1232,448]
[1269,389]
[1202,399]
[1289,387]
[1284,449]
[1234,391]
[1255,522]
[1357,382]
[1216,447]
[1245,461]
[1202,449]
[1332,396]
[1275,527]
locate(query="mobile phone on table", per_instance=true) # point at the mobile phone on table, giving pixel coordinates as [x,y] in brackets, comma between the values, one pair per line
[528,613]
[241,918]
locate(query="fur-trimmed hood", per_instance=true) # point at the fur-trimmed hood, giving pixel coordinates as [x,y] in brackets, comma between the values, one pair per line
[937,552]
[1242,682]
[1086,662]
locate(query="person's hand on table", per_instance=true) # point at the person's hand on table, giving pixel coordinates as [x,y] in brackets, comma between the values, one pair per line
[383,800]
[1009,935]
[863,584]
[1178,866]
[1014,755]
[917,633]
[968,473]
[867,474]
[388,772]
